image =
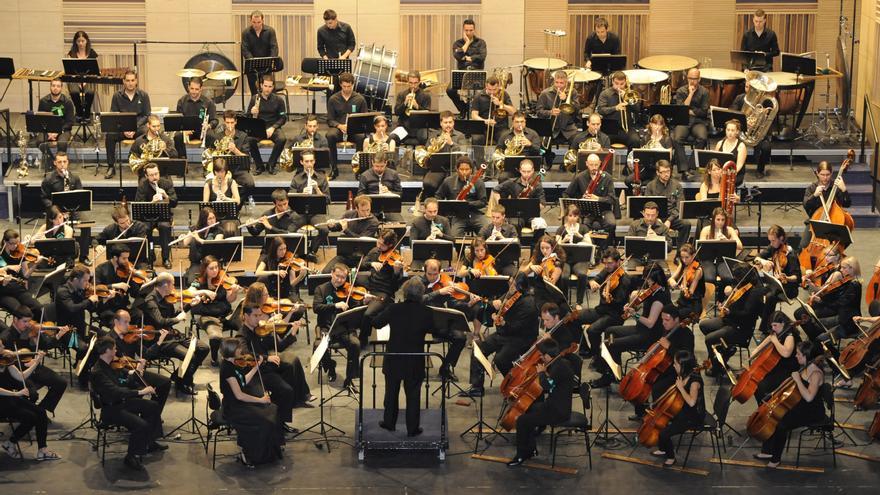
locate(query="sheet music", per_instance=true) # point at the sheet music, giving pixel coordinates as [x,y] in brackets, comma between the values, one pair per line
[606,355]
[320,350]
[487,366]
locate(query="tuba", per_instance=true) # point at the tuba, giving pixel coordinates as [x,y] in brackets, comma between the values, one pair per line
[285,160]
[569,161]
[370,147]
[512,147]
[758,117]
[153,148]
[422,153]
[221,147]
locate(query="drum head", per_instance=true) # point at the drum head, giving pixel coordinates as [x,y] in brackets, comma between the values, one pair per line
[584,75]
[218,91]
[645,76]
[718,74]
[544,63]
[667,63]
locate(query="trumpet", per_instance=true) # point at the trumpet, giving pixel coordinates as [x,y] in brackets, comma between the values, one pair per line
[410,102]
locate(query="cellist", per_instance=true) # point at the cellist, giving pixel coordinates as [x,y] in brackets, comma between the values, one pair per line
[821,188]
[785,338]
[779,261]
[690,385]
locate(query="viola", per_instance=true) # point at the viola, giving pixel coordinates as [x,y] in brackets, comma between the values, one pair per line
[780,260]
[664,410]
[460,291]
[224,280]
[245,361]
[526,365]
[734,296]
[856,351]
[48,328]
[357,292]
[641,297]
[829,288]
[8,358]
[689,275]
[175,296]
[127,271]
[498,317]
[869,390]
[527,392]
[611,283]
[390,257]
[136,333]
[486,266]
[758,369]
[872,292]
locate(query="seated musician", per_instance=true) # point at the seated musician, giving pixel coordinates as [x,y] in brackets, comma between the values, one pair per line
[310,137]
[140,348]
[314,182]
[216,300]
[359,222]
[195,104]
[409,322]
[55,103]
[62,179]
[600,41]
[716,271]
[485,106]
[281,221]
[565,125]
[611,107]
[14,272]
[283,375]
[413,98]
[546,262]
[113,274]
[431,226]
[268,107]
[330,299]
[689,383]
[379,139]
[223,188]
[519,137]
[565,333]
[499,229]
[514,187]
[696,97]
[656,138]
[558,380]
[647,329]
[477,263]
[810,410]
[650,226]
[476,199]
[835,307]
[446,140]
[130,99]
[21,334]
[592,138]
[688,278]
[670,188]
[785,339]
[237,143]
[764,147]
[16,403]
[206,229]
[731,143]
[56,227]
[736,321]
[380,179]
[515,331]
[71,304]
[469,52]
[439,293]
[122,227]
[248,408]
[614,293]
[339,106]
[124,401]
[154,188]
[386,275]
[153,144]
[275,269]
[603,192]
[819,193]
[572,231]
[779,261]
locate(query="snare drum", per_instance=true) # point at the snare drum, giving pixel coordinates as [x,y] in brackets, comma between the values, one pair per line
[536,70]
[646,83]
[724,85]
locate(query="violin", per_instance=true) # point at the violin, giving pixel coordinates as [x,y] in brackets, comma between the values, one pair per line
[869,390]
[526,365]
[8,358]
[549,263]
[390,257]
[283,306]
[828,288]
[175,296]
[816,275]
[763,422]
[611,283]
[224,280]
[498,317]
[357,292]
[128,272]
[780,260]
[47,328]
[734,296]
[136,333]
[100,290]
[641,297]
[290,261]
[460,292]
[690,274]
[123,363]
[855,352]
[268,327]
[486,266]
[663,411]
[759,368]
[524,395]
[245,361]
[872,293]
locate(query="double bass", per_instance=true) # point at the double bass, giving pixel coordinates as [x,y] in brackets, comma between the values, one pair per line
[664,410]
[830,212]
[523,396]
[524,367]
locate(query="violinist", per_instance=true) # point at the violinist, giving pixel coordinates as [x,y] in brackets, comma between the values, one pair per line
[515,331]
[281,223]
[500,230]
[613,286]
[573,231]
[604,193]
[109,274]
[431,226]
[688,277]
[283,376]
[477,261]
[717,270]
[475,197]
[313,182]
[665,185]
[198,234]
[558,382]
[514,187]
[836,303]
[359,222]
[654,295]
[16,404]
[216,300]
[785,339]
[71,305]
[122,227]
[223,188]
[156,189]
[14,273]
[386,275]
[276,271]
[330,299]
[737,317]
[24,333]
[690,385]
[452,141]
[137,349]
[810,410]
[123,400]
[247,406]
[439,292]
[778,260]
[546,262]
[819,193]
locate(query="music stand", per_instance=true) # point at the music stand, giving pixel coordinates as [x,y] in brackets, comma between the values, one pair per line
[704,156]
[451,208]
[308,204]
[521,207]
[696,209]
[52,279]
[60,249]
[177,122]
[329,65]
[511,163]
[296,243]
[135,245]
[747,58]
[148,212]
[470,127]
[313,280]
[81,66]
[609,126]
[263,65]
[229,249]
[673,114]
[424,119]
[718,117]
[443,162]
[254,127]
[361,123]
[384,203]
[605,63]
[648,158]
[832,232]
[354,246]
[172,167]
[468,80]
[511,251]
[489,287]
[713,251]
[588,207]
[322,158]
[44,123]
[7,69]
[224,210]
[73,201]
[644,249]
[439,250]
[544,127]
[582,156]
[802,66]
[446,321]
[635,205]
[577,253]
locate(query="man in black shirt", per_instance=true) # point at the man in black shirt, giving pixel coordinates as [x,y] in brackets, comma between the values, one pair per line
[335,38]
[281,223]
[156,189]
[593,136]
[195,104]
[379,179]
[310,133]
[326,305]
[60,179]
[153,137]
[132,100]
[414,98]
[470,54]
[600,41]
[664,185]
[489,100]
[239,146]
[258,40]
[649,226]
[359,222]
[71,304]
[431,226]
[440,295]
[310,181]
[527,138]
[475,219]
[696,97]
[514,187]
[118,259]
[56,103]
[268,107]
[760,39]
[452,141]
[608,312]
[610,107]
[604,192]
[123,227]
[339,106]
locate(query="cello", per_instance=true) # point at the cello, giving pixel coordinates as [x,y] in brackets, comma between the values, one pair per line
[524,367]
[874,429]
[763,422]
[636,385]
[665,408]
[830,212]
[872,291]
[869,390]
[523,396]
[854,353]
[759,368]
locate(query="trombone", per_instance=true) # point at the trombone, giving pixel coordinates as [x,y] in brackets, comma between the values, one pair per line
[564,107]
[630,97]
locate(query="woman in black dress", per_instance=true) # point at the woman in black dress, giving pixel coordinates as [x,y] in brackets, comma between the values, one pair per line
[690,385]
[785,338]
[16,404]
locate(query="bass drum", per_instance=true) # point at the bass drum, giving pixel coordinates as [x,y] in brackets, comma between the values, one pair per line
[210,62]
[373,74]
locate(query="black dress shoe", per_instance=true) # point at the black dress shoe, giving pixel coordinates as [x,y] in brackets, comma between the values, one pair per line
[132,462]
[418,431]
[258,171]
[516,462]
[386,427]
[111,171]
[602,381]
[635,417]
[157,447]
[289,429]
[331,376]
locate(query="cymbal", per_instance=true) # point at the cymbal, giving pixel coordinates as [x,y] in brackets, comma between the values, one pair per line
[667,63]
[224,75]
[544,63]
[190,73]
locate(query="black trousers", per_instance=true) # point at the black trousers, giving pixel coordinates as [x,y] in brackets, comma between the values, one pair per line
[28,416]
[177,350]
[14,294]
[431,182]
[334,137]
[762,154]
[679,424]
[776,443]
[278,143]
[699,133]
[527,427]
[580,270]
[598,324]
[459,227]
[141,417]
[162,386]
[111,140]
[457,101]
[716,329]
[322,232]
[412,386]
[44,376]
[180,145]
[627,338]
[164,229]
[506,350]
[605,223]
[352,347]
[245,182]
[279,390]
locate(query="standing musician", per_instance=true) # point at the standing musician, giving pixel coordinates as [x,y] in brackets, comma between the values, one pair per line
[515,331]
[130,99]
[499,229]
[83,95]
[335,38]
[123,227]
[55,103]
[310,181]
[613,285]
[604,192]
[470,54]
[450,141]
[818,194]
[281,223]
[611,106]
[736,321]
[476,199]
[481,105]
[283,375]
[113,274]
[696,97]
[248,407]
[223,188]
[339,106]
[549,106]
[239,145]
[136,350]
[733,144]
[763,148]
[515,186]
[600,41]
[281,279]
[153,133]
[688,278]
[154,188]
[760,39]
[62,179]
[359,222]
[195,104]
[330,299]
[573,231]
[386,275]
[380,179]
[199,233]
[557,379]
[836,307]
[693,413]
[778,260]
[259,40]
[268,107]
[785,339]
[591,138]
[71,304]
[15,271]
[409,321]
[431,226]
[217,291]
[414,98]
[124,401]
[16,403]
[671,189]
